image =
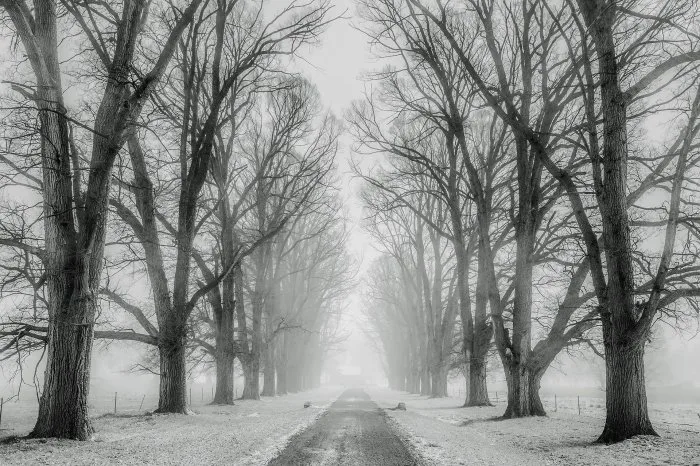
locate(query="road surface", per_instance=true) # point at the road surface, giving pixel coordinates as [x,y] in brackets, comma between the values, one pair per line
[353,431]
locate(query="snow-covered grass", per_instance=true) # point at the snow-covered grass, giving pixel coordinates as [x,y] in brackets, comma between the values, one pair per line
[249,433]
[445,433]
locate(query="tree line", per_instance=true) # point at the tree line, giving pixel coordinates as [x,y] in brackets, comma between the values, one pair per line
[531,184]
[167,181]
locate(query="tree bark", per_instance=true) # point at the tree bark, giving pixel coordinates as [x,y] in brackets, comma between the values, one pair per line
[480,339]
[269,376]
[225,358]
[251,379]
[425,370]
[478,391]
[63,408]
[173,373]
[626,398]
[281,364]
[438,387]
[536,405]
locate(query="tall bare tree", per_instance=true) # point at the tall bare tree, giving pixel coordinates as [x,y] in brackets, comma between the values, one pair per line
[598,60]
[75,218]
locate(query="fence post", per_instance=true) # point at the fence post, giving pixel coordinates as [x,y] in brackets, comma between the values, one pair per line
[202,394]
[142,399]
[578,398]
[496,396]
[190,396]
[555,402]
[115,402]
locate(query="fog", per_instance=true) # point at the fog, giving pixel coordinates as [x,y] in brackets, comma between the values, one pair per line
[290,230]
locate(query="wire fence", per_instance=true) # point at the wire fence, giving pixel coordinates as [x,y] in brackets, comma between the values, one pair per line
[684,414]
[18,414]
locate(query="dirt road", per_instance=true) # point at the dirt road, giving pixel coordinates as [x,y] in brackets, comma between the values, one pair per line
[354,431]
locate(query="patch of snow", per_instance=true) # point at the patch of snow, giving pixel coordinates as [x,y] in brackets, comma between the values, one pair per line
[248,433]
[443,432]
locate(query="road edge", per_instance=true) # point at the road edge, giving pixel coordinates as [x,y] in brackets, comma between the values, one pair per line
[277,450]
[407,438]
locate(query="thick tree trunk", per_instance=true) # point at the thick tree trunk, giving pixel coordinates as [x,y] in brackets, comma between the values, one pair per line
[478,392]
[425,370]
[438,388]
[626,398]
[517,363]
[251,379]
[269,386]
[225,352]
[224,394]
[425,381]
[536,405]
[63,408]
[173,372]
[523,393]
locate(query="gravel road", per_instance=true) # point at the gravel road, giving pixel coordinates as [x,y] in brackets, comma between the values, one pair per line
[354,431]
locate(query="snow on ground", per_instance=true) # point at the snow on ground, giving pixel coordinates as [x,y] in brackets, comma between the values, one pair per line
[446,434]
[249,433]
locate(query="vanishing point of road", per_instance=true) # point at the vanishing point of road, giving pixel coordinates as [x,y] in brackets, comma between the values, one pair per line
[354,431]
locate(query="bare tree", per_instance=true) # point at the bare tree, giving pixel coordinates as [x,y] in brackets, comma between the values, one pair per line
[204,97]
[587,31]
[74,219]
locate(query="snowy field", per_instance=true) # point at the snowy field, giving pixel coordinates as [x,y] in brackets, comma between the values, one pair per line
[249,433]
[443,433]
[438,430]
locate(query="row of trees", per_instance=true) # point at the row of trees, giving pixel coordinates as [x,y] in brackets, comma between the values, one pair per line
[168,182]
[523,188]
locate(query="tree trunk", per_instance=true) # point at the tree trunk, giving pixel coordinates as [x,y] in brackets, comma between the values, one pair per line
[535,400]
[517,363]
[225,351]
[523,392]
[413,382]
[63,408]
[438,388]
[626,398]
[251,379]
[269,387]
[425,381]
[478,392]
[173,383]
[425,370]
[224,394]
[281,363]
